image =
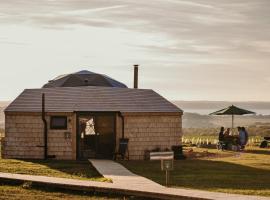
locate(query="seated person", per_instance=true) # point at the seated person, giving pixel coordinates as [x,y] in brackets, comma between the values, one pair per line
[227,132]
[221,134]
[221,144]
[228,139]
[243,138]
[246,135]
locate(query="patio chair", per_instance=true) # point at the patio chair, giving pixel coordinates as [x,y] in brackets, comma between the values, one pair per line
[221,145]
[122,149]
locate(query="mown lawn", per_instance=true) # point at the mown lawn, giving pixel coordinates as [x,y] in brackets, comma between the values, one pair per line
[64,169]
[19,193]
[212,170]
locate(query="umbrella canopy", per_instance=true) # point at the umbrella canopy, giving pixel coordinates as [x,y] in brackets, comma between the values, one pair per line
[232,110]
[84,78]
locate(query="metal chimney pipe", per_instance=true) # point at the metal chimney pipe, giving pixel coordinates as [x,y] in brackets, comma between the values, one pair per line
[136,68]
[45,129]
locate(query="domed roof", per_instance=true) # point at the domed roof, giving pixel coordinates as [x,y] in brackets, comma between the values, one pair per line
[83,78]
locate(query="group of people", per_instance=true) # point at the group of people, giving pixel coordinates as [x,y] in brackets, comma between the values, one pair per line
[227,138]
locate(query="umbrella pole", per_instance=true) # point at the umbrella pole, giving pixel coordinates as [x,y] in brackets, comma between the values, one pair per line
[232,124]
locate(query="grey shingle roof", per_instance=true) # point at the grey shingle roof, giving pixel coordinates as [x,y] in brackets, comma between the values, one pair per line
[84,78]
[90,98]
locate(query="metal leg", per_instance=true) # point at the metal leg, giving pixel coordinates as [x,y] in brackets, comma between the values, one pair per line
[167,178]
[232,124]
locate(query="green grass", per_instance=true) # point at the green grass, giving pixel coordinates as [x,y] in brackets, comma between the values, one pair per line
[82,170]
[212,170]
[18,193]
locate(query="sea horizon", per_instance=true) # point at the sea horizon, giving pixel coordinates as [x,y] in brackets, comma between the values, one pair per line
[263,112]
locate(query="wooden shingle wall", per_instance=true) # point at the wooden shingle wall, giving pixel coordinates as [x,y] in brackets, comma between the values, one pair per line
[24,138]
[148,132]
[23,135]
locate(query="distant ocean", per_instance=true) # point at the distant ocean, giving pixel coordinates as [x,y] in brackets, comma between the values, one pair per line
[208,111]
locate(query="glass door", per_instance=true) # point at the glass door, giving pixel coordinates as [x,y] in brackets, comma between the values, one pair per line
[96,136]
[87,145]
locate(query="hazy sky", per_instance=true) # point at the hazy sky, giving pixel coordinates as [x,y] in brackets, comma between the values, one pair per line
[188,50]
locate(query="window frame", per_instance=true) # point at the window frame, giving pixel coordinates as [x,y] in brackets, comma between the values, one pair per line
[53,127]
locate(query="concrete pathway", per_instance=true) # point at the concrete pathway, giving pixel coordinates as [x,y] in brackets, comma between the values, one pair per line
[124,179]
[121,176]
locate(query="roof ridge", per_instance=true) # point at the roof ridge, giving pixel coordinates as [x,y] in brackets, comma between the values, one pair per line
[84,87]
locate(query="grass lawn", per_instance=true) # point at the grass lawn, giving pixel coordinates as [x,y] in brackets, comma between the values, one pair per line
[212,170]
[64,169]
[18,193]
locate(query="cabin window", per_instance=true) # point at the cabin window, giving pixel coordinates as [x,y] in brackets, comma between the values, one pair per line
[58,122]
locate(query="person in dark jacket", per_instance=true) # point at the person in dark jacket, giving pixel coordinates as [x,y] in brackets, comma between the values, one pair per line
[221,145]
[242,137]
[221,134]
[246,135]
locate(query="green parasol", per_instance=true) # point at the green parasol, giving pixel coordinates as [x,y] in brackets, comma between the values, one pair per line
[232,110]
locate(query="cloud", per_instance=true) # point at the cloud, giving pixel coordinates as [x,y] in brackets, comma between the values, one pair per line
[188,41]
[190,3]
[93,10]
[213,27]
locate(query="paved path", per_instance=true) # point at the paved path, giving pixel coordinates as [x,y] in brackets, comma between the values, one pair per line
[124,179]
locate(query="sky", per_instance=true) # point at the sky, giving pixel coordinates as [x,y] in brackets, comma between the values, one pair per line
[186,49]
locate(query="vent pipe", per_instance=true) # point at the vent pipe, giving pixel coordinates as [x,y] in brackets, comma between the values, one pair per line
[136,69]
[45,130]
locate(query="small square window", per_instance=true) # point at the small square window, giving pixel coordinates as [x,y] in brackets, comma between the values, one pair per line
[58,122]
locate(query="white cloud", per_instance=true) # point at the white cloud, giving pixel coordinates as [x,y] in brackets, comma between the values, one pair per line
[198,48]
[90,11]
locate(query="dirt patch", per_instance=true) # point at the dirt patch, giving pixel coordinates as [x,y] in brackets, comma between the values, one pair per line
[193,153]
